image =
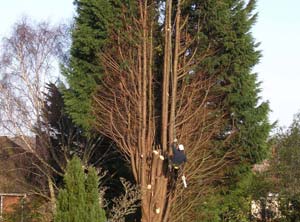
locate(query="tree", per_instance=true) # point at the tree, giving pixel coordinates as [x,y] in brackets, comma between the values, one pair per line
[33,114]
[88,37]
[67,139]
[233,201]
[143,128]
[285,170]
[26,61]
[247,118]
[79,200]
[179,69]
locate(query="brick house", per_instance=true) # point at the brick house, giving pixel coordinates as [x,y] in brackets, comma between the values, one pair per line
[11,160]
[8,200]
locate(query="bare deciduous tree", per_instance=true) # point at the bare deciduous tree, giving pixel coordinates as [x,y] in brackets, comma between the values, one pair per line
[125,204]
[127,108]
[26,64]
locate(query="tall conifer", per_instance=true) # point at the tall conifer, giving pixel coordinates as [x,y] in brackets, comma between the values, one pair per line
[84,71]
[229,28]
[79,201]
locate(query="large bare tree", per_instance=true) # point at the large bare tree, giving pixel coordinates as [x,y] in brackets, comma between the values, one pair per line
[27,63]
[143,108]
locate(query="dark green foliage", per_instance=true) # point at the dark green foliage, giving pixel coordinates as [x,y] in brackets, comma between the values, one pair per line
[66,138]
[226,28]
[88,37]
[92,199]
[228,204]
[71,200]
[235,202]
[79,200]
[238,54]
[232,204]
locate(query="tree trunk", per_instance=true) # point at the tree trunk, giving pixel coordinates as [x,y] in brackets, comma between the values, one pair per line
[166,75]
[155,190]
[175,75]
[156,178]
[52,194]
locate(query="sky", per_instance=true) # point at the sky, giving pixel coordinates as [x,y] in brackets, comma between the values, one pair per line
[277,29]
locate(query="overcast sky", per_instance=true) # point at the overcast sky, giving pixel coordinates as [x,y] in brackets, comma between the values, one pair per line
[277,28]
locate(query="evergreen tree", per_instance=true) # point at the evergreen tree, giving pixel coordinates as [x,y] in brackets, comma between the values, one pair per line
[227,27]
[66,138]
[248,115]
[79,200]
[84,71]
[92,198]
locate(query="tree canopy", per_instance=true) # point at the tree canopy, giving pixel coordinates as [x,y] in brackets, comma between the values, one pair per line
[145,72]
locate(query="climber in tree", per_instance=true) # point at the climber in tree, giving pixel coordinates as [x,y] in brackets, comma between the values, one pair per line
[179,156]
[177,161]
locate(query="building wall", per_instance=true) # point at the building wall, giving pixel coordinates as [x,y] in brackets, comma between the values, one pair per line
[7,202]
